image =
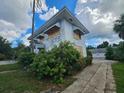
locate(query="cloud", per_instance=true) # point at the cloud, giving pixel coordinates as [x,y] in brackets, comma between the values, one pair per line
[25,40]
[9,30]
[42,6]
[14,18]
[86,1]
[16,12]
[99,19]
[114,6]
[52,11]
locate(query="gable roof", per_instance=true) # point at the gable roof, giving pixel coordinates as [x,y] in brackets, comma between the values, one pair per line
[64,13]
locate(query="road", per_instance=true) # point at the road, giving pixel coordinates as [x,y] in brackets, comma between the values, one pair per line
[7,62]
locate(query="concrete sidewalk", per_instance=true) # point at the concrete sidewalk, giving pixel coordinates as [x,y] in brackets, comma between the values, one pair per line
[97,78]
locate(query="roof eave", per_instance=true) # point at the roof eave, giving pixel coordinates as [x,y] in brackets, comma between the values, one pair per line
[85,31]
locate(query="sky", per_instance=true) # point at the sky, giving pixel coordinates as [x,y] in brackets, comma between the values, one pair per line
[97,16]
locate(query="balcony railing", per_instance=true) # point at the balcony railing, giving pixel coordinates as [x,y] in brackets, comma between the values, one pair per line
[40,45]
[78,42]
[53,41]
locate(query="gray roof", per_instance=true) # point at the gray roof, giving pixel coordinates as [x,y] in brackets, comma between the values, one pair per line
[64,13]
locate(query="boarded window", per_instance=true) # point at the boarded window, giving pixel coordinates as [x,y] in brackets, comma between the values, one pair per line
[53,32]
[77,36]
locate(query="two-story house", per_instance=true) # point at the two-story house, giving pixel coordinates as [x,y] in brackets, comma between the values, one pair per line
[63,26]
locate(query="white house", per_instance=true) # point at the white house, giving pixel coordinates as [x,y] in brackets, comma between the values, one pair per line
[63,26]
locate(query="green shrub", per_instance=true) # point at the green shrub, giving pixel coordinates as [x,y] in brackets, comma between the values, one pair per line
[45,66]
[57,63]
[2,56]
[116,53]
[26,58]
[68,55]
[88,60]
[119,52]
[89,54]
[109,53]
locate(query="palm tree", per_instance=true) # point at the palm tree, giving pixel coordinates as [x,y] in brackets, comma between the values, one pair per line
[119,27]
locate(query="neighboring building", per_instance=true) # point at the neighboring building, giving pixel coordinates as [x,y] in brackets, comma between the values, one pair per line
[98,53]
[63,26]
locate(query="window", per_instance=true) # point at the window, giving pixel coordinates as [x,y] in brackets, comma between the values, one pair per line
[53,32]
[77,36]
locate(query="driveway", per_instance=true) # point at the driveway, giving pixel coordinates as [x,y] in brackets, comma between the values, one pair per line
[101,60]
[96,78]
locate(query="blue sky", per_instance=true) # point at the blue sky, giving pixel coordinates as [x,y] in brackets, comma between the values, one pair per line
[59,4]
[97,16]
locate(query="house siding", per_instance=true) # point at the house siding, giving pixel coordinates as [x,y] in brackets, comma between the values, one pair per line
[65,33]
[79,49]
[83,46]
[67,30]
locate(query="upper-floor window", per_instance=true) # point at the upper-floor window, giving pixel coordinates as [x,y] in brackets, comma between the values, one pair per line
[53,32]
[77,35]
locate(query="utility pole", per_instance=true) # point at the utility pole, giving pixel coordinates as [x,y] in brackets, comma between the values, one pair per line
[32,40]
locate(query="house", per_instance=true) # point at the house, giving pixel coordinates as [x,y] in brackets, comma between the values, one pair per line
[63,26]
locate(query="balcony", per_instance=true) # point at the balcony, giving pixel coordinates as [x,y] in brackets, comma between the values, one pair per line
[40,45]
[50,43]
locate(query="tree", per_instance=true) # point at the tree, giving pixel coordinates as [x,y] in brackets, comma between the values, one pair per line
[90,47]
[119,26]
[103,45]
[115,45]
[21,48]
[109,53]
[5,48]
[119,52]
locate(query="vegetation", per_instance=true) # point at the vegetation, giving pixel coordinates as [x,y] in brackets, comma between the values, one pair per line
[5,49]
[9,53]
[109,53]
[90,47]
[103,45]
[23,82]
[9,67]
[116,53]
[119,52]
[89,58]
[2,56]
[26,58]
[118,71]
[55,64]
[119,26]
[19,49]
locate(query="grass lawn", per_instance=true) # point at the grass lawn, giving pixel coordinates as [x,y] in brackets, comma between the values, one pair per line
[118,71]
[9,67]
[22,82]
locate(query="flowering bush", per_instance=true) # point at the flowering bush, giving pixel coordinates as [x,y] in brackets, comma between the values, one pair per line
[57,63]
